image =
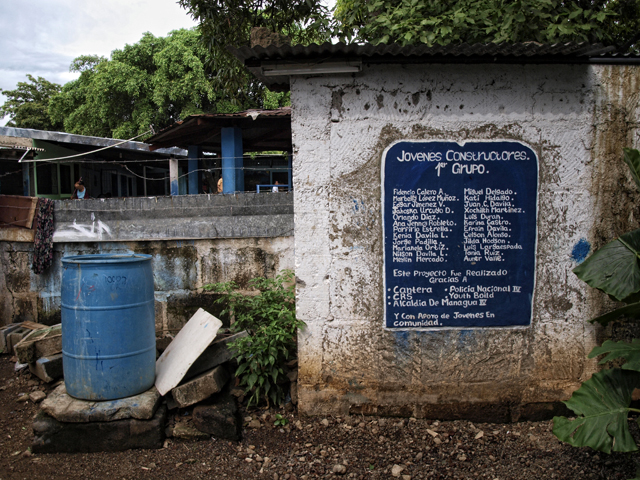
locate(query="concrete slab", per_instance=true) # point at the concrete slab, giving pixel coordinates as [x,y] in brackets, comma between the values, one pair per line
[65,408]
[40,343]
[219,418]
[216,354]
[201,387]
[47,369]
[4,332]
[15,336]
[52,436]
[189,343]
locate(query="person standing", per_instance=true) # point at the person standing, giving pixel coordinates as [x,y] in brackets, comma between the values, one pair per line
[80,191]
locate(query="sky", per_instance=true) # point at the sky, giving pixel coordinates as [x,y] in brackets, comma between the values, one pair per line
[42,37]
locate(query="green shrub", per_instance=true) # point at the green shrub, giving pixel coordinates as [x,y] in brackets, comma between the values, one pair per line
[268,314]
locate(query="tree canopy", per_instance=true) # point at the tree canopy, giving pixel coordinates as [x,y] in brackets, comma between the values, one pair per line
[27,106]
[433,22]
[157,81]
[229,22]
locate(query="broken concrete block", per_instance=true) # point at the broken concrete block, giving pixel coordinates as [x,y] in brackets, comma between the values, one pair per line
[187,431]
[189,343]
[47,369]
[40,343]
[52,436]
[4,332]
[170,402]
[65,408]
[216,354]
[15,336]
[201,387]
[219,418]
[37,396]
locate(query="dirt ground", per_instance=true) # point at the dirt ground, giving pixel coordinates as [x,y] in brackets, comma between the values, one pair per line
[351,447]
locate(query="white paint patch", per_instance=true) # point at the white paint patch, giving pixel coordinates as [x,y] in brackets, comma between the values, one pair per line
[79,231]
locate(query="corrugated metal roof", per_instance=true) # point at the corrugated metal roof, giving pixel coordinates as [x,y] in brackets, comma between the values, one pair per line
[528,52]
[524,50]
[74,139]
[253,113]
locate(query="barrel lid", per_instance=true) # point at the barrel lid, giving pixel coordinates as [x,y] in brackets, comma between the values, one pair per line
[107,258]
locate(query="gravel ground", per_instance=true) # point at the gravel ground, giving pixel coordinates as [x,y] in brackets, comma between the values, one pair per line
[332,447]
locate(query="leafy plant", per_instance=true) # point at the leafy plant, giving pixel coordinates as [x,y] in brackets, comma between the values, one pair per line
[27,106]
[440,23]
[280,421]
[268,314]
[603,402]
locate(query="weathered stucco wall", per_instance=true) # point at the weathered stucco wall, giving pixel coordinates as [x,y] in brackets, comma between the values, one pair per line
[193,240]
[577,119]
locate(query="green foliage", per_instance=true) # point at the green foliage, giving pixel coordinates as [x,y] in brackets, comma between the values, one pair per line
[280,421]
[632,158]
[157,81]
[27,105]
[603,402]
[614,350]
[614,268]
[229,22]
[268,314]
[273,100]
[439,23]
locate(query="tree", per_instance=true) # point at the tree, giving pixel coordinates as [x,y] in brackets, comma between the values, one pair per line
[229,22]
[157,81]
[27,105]
[469,21]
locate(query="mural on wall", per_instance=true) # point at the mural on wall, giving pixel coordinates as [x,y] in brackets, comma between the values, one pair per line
[459,233]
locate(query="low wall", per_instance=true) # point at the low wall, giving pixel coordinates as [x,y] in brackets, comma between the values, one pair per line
[194,240]
[576,118]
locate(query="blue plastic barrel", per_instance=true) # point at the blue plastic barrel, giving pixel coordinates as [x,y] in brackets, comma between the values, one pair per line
[108,325]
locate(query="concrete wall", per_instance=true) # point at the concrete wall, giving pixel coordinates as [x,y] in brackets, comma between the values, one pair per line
[576,118]
[194,240]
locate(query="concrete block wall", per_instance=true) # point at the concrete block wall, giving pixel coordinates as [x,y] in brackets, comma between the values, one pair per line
[193,240]
[576,118]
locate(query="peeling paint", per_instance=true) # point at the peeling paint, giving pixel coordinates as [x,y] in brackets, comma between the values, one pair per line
[576,118]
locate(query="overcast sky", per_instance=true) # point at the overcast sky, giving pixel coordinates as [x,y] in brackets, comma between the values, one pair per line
[42,37]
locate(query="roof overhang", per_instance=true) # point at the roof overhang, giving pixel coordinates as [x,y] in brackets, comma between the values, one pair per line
[274,66]
[262,130]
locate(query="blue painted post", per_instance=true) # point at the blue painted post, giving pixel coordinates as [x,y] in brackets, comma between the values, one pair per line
[193,156]
[232,164]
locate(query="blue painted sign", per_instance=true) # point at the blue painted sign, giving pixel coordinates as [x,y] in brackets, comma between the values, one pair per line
[460,229]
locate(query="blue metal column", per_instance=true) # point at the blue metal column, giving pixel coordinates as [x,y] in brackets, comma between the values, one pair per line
[232,164]
[193,156]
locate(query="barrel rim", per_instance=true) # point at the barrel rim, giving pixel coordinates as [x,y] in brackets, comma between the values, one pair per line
[102,258]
